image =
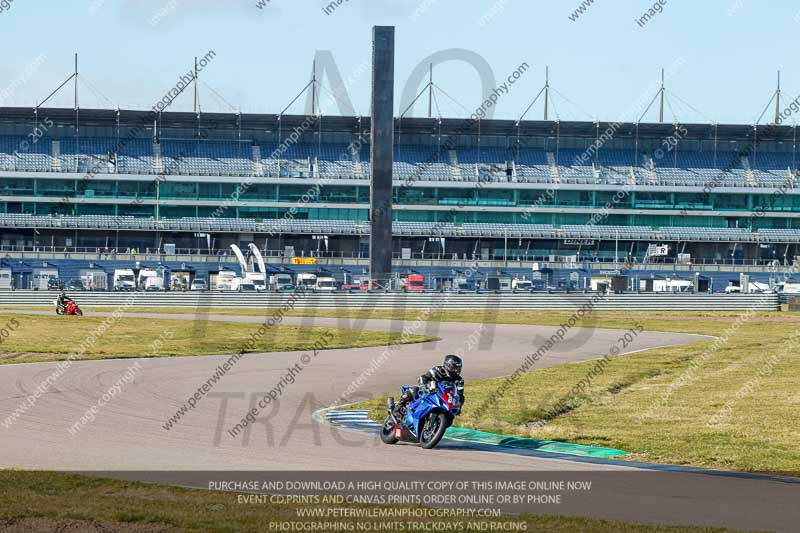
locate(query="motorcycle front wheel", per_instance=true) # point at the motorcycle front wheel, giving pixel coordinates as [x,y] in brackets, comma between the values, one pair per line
[79,312]
[387,431]
[433,430]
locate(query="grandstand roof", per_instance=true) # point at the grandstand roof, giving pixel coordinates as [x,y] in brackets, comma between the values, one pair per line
[446,126]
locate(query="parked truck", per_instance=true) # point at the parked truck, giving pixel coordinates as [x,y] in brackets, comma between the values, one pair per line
[326,283]
[412,283]
[227,280]
[280,281]
[307,280]
[259,279]
[151,280]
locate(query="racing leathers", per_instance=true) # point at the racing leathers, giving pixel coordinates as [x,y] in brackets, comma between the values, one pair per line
[428,380]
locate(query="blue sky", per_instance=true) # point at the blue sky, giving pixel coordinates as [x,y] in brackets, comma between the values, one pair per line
[724,53]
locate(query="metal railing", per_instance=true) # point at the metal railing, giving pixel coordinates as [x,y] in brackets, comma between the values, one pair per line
[399,300]
[554,256]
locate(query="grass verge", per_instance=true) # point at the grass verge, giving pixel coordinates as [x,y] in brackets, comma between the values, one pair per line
[32,338]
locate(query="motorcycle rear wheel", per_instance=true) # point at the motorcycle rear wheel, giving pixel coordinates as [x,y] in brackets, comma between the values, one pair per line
[387,431]
[433,430]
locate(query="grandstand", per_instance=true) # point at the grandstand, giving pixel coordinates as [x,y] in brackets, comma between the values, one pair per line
[131,179]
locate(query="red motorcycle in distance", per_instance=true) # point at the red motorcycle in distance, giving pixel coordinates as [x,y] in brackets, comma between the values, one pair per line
[68,308]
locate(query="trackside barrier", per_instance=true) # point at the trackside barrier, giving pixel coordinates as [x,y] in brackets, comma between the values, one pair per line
[508,301]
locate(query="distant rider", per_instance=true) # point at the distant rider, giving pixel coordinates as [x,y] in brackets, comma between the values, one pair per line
[449,371]
[63,299]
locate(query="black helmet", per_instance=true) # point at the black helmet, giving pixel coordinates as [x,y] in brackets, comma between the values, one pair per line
[452,365]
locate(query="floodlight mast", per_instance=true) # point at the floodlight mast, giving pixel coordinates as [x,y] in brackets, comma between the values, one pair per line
[661,100]
[778,99]
[195,84]
[430,91]
[75,76]
[546,89]
[313,87]
[77,117]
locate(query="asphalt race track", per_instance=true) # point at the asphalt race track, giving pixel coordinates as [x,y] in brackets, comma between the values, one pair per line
[128,433]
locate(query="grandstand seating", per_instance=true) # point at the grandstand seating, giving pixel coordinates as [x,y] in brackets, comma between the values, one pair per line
[345,227]
[25,154]
[772,161]
[412,162]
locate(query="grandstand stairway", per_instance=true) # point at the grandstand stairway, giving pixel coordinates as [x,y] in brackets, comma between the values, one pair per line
[56,154]
[551,160]
[631,176]
[649,164]
[158,164]
[455,167]
[357,169]
[258,166]
[748,171]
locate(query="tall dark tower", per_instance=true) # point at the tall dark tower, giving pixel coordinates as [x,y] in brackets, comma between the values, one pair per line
[381,154]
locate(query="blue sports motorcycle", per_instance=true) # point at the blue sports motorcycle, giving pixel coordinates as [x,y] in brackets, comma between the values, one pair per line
[425,418]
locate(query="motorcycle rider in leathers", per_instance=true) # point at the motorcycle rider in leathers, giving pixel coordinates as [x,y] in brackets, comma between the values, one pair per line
[448,371]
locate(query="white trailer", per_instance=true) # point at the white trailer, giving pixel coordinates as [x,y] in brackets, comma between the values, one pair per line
[94,279]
